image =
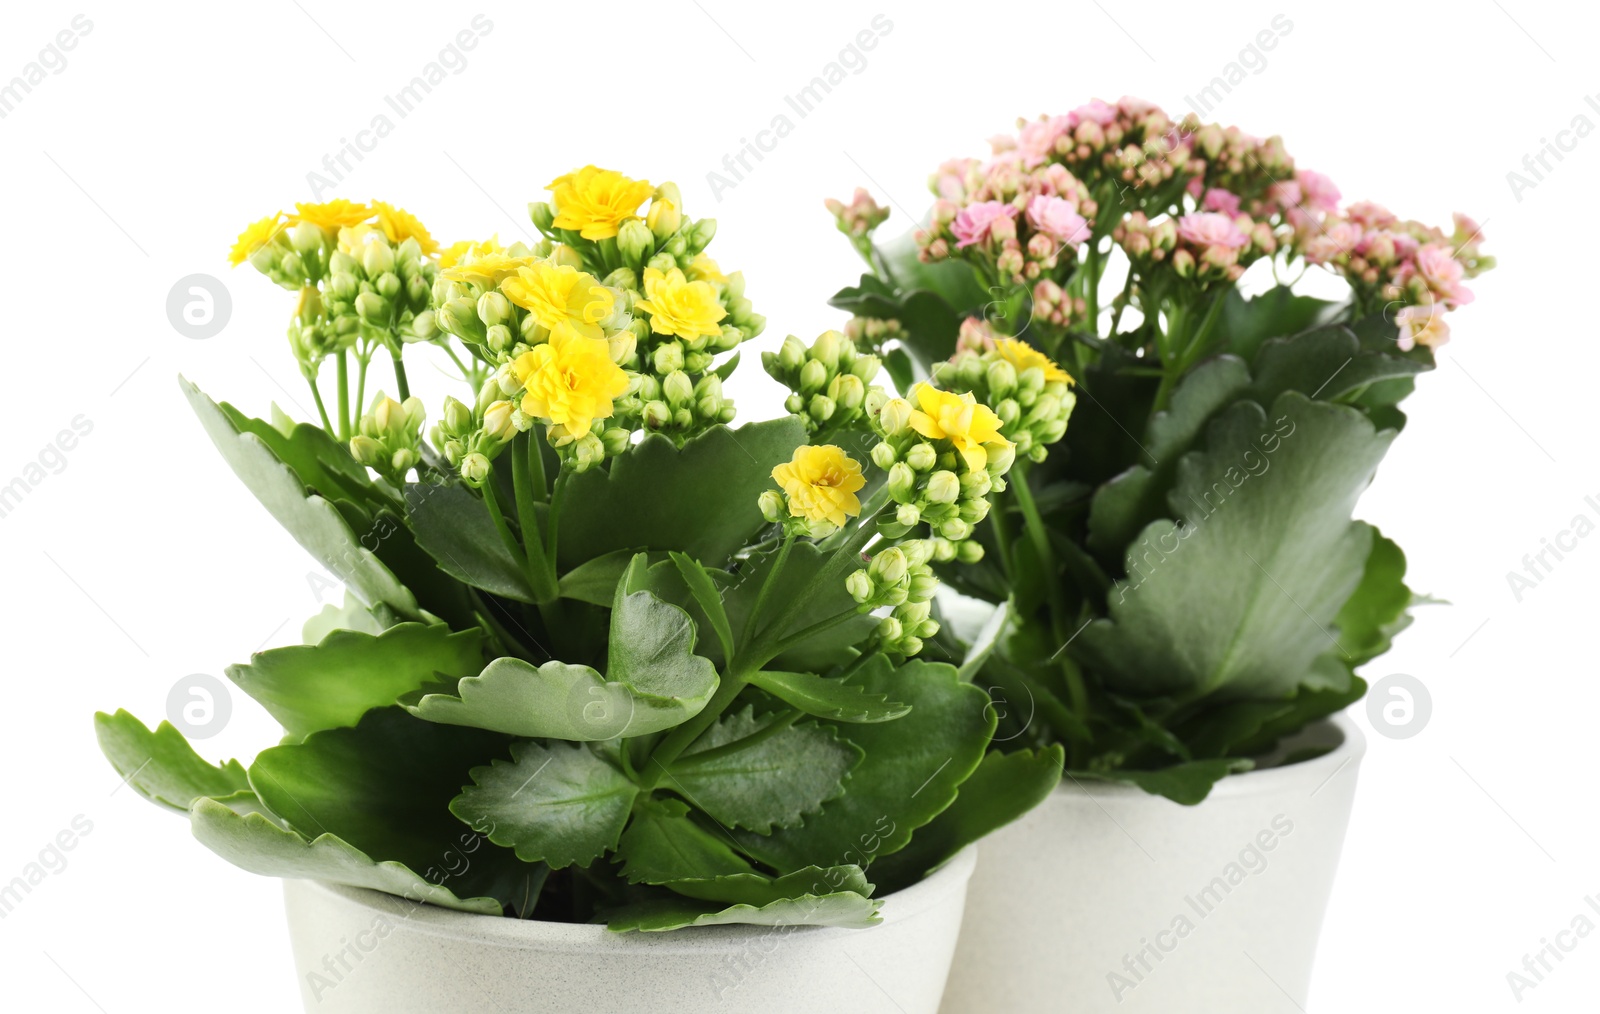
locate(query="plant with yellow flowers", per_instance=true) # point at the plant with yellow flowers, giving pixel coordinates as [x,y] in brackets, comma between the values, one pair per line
[657,669]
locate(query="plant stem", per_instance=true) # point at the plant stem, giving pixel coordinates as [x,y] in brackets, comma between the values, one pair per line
[344,395]
[361,379]
[399,375]
[750,625]
[524,452]
[492,500]
[679,739]
[812,631]
[322,409]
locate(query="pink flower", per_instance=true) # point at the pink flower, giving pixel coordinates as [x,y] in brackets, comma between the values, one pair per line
[973,224]
[1443,274]
[1036,142]
[1056,218]
[1370,215]
[1095,111]
[950,182]
[1223,201]
[1336,240]
[1209,229]
[1318,192]
[1421,324]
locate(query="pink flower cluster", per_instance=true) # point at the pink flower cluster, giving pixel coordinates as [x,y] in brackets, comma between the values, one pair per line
[1017,221]
[1204,245]
[860,216]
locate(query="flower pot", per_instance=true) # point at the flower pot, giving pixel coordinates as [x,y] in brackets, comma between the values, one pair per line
[364,952]
[1105,898]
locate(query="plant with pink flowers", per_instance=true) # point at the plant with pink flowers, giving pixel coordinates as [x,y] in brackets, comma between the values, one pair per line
[1182,579]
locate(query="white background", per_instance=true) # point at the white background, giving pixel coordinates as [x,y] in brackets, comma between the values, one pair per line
[145,561]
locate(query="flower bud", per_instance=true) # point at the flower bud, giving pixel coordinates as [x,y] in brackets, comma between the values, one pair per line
[889,629]
[1000,457]
[883,456]
[902,483]
[772,506]
[924,584]
[943,486]
[908,514]
[955,530]
[366,450]
[499,338]
[543,215]
[1002,378]
[976,485]
[372,308]
[970,551]
[634,241]
[826,348]
[889,566]
[821,408]
[377,259]
[656,415]
[859,585]
[922,456]
[895,416]
[701,233]
[497,421]
[668,358]
[457,417]
[678,389]
[474,468]
[663,217]
[813,377]
[847,391]
[494,308]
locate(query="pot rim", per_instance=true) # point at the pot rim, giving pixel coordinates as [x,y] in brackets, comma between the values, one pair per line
[1352,746]
[501,931]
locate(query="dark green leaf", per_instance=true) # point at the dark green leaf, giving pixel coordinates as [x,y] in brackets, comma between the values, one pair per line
[452,524]
[664,843]
[595,581]
[754,889]
[1187,783]
[560,804]
[1370,618]
[1325,364]
[846,909]
[708,596]
[1246,323]
[758,773]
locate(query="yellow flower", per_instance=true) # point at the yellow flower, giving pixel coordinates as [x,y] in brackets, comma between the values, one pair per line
[255,236]
[704,269]
[569,380]
[400,225]
[821,483]
[1024,356]
[957,418]
[352,238]
[596,201]
[461,250]
[558,294]
[332,216]
[489,269]
[680,307]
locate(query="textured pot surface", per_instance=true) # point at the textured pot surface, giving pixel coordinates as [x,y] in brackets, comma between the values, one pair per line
[1105,898]
[364,952]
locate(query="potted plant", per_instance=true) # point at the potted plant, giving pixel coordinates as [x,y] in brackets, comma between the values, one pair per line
[1181,597]
[607,666]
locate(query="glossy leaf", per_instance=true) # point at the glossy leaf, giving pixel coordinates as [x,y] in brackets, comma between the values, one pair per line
[1187,783]
[452,524]
[843,908]
[754,889]
[664,843]
[828,698]
[333,683]
[160,764]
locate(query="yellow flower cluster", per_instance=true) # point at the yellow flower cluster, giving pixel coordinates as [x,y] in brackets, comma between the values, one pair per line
[560,296]
[957,418]
[820,483]
[595,202]
[680,307]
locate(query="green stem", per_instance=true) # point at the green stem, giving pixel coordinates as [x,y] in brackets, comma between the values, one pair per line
[322,409]
[541,576]
[492,500]
[399,375]
[678,740]
[344,395]
[751,625]
[810,632]
[361,380]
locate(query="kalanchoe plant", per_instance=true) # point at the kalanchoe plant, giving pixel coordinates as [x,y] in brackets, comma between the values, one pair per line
[1183,581]
[603,657]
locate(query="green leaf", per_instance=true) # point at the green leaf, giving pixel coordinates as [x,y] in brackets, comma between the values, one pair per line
[1307,706]
[828,698]
[253,842]
[1187,783]
[651,650]
[928,320]
[984,644]
[560,804]
[1325,364]
[352,615]
[161,765]
[1240,601]
[385,787]
[1124,505]
[663,843]
[552,701]
[336,681]
[758,773]
[798,582]
[845,908]
[315,523]
[1005,786]
[708,596]
[1376,612]
[1246,323]
[595,581]
[700,499]
[910,771]
[452,524]
[754,889]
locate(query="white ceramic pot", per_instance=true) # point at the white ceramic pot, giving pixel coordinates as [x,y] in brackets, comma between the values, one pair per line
[1105,898]
[431,960]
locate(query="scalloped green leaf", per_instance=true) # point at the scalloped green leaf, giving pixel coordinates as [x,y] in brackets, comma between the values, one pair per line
[160,764]
[762,772]
[700,499]
[828,698]
[452,524]
[595,581]
[316,523]
[651,649]
[754,889]
[553,701]
[353,614]
[1327,364]
[911,771]
[385,787]
[1247,323]
[1187,783]
[348,673]
[844,909]
[253,842]
[560,804]
[664,843]
[1242,600]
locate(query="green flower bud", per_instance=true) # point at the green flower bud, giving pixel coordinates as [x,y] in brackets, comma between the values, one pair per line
[616,441]
[634,241]
[859,585]
[499,338]
[847,391]
[943,550]
[922,456]
[912,613]
[373,309]
[377,259]
[701,233]
[497,421]
[970,551]
[424,327]
[388,285]
[889,629]
[866,368]
[656,415]
[366,450]
[474,469]
[791,354]
[678,389]
[457,417]
[794,404]
[943,486]
[821,408]
[543,215]
[888,567]
[1000,458]
[955,530]
[1002,377]
[895,416]
[902,483]
[918,552]
[460,318]
[668,358]
[974,511]
[826,348]
[587,452]
[813,377]
[924,584]
[883,456]
[773,507]
[976,485]
[908,514]
[494,308]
